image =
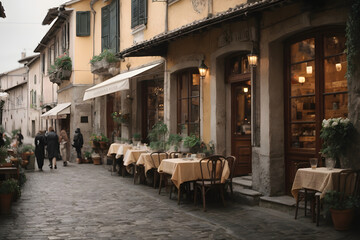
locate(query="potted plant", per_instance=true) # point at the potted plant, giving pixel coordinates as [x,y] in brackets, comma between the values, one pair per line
[342,209]
[87,156]
[337,135]
[96,158]
[94,139]
[25,151]
[103,63]
[3,156]
[7,189]
[174,141]
[136,138]
[157,136]
[61,69]
[103,141]
[193,143]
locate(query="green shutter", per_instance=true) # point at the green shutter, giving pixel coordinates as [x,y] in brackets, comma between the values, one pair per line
[142,12]
[134,13]
[83,23]
[114,25]
[105,28]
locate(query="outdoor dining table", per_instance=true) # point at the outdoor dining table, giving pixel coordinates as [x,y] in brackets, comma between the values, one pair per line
[184,170]
[9,171]
[320,179]
[113,149]
[147,162]
[123,149]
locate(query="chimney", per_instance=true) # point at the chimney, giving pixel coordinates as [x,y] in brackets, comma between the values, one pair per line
[23,55]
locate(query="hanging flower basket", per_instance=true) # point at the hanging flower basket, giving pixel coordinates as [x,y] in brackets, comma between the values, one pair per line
[105,63]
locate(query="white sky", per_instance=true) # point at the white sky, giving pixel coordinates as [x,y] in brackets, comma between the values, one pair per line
[21,30]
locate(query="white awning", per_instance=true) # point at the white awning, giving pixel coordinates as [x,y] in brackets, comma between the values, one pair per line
[60,111]
[114,84]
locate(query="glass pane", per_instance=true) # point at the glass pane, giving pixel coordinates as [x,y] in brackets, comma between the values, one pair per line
[334,45]
[336,106]
[243,108]
[184,84]
[303,136]
[303,109]
[239,65]
[184,111]
[334,72]
[303,50]
[195,110]
[195,87]
[303,78]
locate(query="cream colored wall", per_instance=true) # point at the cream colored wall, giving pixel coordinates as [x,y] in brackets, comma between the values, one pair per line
[81,48]
[223,5]
[34,113]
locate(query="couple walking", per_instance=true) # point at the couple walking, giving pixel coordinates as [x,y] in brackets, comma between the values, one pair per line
[56,147]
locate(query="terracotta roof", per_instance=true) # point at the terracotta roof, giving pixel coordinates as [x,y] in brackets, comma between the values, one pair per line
[2,11]
[157,46]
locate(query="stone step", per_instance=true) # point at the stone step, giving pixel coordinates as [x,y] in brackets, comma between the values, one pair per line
[246,196]
[281,203]
[242,182]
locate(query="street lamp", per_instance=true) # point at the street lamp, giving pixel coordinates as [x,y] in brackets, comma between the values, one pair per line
[202,69]
[252,59]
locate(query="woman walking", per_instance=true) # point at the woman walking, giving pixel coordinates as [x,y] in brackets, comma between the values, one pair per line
[52,147]
[64,147]
[40,143]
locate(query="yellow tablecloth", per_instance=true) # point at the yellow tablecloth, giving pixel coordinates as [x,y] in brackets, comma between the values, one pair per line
[184,170]
[113,149]
[123,149]
[132,156]
[145,160]
[319,179]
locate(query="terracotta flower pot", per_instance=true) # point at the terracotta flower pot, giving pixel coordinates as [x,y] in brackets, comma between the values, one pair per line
[96,160]
[342,219]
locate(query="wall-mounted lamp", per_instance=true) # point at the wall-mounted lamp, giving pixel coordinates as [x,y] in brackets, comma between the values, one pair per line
[301,80]
[245,89]
[308,69]
[202,69]
[338,67]
[252,59]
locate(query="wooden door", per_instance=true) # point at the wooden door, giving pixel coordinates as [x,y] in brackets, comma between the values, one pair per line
[109,120]
[241,130]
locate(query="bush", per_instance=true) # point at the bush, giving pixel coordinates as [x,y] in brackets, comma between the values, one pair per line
[9,186]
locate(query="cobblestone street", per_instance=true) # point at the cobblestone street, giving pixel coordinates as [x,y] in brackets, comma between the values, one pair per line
[86,202]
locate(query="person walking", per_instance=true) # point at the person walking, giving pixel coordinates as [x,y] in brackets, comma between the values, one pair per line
[40,142]
[52,140]
[19,138]
[64,147]
[78,143]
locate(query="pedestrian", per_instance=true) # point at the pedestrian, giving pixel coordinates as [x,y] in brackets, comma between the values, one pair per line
[78,143]
[64,147]
[52,141]
[40,142]
[19,138]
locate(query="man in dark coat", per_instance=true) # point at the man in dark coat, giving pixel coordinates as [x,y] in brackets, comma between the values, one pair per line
[52,140]
[78,142]
[40,142]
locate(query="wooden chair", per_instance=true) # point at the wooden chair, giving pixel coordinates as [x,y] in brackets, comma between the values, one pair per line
[211,171]
[156,159]
[231,161]
[347,185]
[305,194]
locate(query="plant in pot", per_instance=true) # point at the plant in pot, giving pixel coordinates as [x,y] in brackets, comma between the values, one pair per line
[87,156]
[174,141]
[3,155]
[103,141]
[337,135]
[8,188]
[193,143]
[94,139]
[136,138]
[96,158]
[25,151]
[157,136]
[342,208]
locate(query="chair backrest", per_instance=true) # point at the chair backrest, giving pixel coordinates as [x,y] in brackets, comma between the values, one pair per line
[175,154]
[347,182]
[156,157]
[302,165]
[211,169]
[357,185]
[231,161]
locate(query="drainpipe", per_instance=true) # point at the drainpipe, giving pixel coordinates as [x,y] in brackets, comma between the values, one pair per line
[210,8]
[94,14]
[166,16]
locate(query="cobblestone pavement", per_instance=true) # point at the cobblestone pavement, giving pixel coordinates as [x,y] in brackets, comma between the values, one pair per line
[86,202]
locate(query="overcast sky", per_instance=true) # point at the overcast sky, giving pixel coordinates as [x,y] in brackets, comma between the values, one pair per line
[21,30]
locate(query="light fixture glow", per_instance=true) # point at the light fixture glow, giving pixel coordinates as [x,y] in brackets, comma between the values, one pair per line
[309,69]
[338,67]
[246,89]
[252,59]
[301,80]
[202,69]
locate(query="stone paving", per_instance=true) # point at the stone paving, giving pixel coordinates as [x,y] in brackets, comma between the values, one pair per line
[84,201]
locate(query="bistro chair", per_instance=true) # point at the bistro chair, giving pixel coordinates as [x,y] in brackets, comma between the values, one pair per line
[305,194]
[156,159]
[211,169]
[231,161]
[176,154]
[347,185]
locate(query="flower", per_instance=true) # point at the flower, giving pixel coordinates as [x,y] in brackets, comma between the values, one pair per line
[337,134]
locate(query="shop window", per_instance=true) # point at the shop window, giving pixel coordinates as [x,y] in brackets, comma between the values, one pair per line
[188,104]
[317,87]
[82,23]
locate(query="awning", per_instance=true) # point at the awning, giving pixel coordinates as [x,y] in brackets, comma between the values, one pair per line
[60,111]
[115,84]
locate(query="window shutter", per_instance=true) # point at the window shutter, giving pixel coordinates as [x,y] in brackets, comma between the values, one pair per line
[114,25]
[83,23]
[142,12]
[134,13]
[105,28]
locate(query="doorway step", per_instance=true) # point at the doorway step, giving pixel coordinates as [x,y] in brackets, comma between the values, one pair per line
[244,194]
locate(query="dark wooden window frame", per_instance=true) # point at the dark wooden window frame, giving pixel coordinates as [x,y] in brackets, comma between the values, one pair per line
[82,23]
